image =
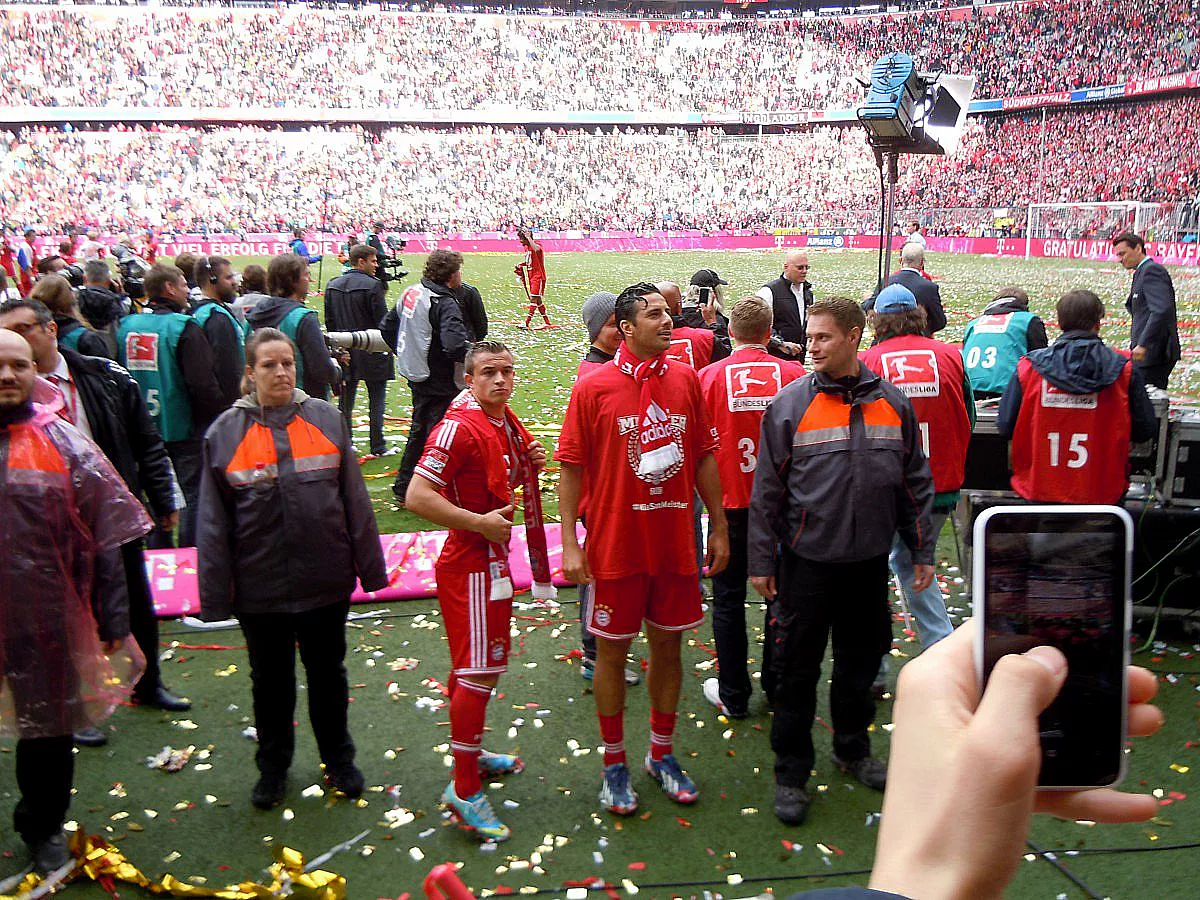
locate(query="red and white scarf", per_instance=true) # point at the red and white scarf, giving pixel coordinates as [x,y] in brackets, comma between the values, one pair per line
[466,410]
[655,439]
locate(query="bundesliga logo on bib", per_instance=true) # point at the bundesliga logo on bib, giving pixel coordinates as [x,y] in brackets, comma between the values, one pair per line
[1056,398]
[141,351]
[750,387]
[915,372]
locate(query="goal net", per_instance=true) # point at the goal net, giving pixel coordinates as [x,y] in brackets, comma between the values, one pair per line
[1103,221]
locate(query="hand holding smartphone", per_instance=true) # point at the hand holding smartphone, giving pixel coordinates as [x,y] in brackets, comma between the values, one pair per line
[1060,576]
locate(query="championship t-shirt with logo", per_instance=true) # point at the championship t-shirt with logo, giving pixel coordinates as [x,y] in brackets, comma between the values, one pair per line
[455,463]
[637,525]
[736,392]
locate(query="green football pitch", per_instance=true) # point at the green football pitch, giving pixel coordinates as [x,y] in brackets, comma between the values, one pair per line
[198,825]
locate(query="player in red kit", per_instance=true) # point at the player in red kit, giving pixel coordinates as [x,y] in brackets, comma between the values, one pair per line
[532,273]
[736,392]
[464,481]
[637,431]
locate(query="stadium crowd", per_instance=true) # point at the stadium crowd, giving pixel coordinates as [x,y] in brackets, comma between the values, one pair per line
[100,57]
[483,178]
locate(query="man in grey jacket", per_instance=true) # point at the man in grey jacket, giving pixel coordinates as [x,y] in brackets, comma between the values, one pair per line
[840,470]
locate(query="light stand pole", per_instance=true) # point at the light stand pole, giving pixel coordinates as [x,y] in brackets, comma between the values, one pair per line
[893,175]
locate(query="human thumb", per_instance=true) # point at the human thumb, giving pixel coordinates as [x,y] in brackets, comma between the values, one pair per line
[507,511]
[1020,688]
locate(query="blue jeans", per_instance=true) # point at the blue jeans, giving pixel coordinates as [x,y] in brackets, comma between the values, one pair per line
[928,606]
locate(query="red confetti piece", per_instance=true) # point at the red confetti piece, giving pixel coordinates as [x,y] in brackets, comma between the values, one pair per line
[637,866]
[1176,795]
[787,845]
[682,821]
[838,850]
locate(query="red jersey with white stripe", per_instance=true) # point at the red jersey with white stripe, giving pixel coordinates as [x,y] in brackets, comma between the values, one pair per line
[736,391]
[455,463]
[637,524]
[535,263]
[693,346]
[930,373]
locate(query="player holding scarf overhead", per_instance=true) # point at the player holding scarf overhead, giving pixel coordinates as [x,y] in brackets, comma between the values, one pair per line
[464,481]
[638,429]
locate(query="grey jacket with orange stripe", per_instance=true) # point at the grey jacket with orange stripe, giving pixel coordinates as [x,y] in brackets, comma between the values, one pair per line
[840,471]
[285,523]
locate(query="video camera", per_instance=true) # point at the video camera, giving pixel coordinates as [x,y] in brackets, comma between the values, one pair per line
[133,271]
[74,274]
[391,266]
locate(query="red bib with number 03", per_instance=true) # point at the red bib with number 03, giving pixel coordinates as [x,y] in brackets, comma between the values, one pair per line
[737,390]
[1071,448]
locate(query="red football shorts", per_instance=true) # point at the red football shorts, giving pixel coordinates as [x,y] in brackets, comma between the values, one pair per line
[537,285]
[476,627]
[618,606]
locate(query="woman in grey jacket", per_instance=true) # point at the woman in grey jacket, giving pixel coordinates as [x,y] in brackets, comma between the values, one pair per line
[285,525]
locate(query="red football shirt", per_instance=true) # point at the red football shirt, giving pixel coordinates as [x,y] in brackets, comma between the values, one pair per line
[693,346]
[535,260]
[637,525]
[736,392]
[455,463]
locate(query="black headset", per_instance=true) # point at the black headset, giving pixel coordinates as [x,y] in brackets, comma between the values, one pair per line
[212,275]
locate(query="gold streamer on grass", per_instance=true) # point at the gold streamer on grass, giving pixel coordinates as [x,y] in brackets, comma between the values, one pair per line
[101,862]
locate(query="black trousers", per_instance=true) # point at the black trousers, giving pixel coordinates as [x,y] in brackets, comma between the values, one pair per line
[271,640]
[376,407]
[813,599]
[1156,375]
[45,770]
[428,410]
[186,460]
[143,624]
[729,619]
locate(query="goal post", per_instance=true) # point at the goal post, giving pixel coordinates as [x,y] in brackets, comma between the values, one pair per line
[1092,221]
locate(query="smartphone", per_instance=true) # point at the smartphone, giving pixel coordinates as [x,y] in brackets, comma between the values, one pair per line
[1060,576]
[706,294]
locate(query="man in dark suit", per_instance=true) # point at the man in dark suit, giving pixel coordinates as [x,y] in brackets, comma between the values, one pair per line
[790,296]
[1154,336]
[911,275]
[354,302]
[103,401]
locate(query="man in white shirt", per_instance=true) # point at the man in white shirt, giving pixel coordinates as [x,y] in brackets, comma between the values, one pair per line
[914,235]
[790,296]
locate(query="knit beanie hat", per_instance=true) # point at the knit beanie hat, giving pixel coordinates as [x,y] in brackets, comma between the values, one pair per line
[596,310]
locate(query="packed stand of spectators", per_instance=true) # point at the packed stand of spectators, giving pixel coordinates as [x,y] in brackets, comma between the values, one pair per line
[484,179]
[96,56]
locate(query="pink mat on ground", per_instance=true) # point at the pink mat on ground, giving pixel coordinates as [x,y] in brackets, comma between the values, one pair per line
[409,558]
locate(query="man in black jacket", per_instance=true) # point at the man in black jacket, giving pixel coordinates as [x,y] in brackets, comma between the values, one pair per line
[912,276]
[104,402]
[99,303]
[790,296]
[447,349]
[354,302]
[1154,335]
[474,315]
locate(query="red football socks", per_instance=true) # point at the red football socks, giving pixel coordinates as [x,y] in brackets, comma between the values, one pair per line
[468,709]
[612,732]
[662,734]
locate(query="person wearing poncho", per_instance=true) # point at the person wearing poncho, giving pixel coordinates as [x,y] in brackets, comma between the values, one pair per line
[64,615]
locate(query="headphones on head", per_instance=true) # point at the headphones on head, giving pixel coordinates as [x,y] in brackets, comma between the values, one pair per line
[212,275]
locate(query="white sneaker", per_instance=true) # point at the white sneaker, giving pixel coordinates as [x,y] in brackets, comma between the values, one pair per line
[712,693]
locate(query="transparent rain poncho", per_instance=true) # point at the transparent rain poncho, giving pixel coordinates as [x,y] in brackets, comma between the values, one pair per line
[61,504]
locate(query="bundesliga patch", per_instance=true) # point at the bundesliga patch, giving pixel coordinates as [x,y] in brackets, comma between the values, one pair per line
[681,350]
[915,372]
[993,324]
[435,459]
[408,303]
[141,351]
[750,387]
[1057,398]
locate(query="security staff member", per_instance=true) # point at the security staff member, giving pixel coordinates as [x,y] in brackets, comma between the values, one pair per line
[1154,334]
[840,471]
[1072,410]
[994,343]
[169,357]
[357,301]
[790,296]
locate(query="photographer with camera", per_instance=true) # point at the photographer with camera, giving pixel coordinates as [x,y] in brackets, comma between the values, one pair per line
[102,307]
[354,302]
[391,267]
[133,269]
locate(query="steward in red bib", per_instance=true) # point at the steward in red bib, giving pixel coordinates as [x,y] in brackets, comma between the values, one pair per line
[1072,410]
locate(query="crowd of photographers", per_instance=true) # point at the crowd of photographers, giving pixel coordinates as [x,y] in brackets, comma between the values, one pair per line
[484,178]
[357,60]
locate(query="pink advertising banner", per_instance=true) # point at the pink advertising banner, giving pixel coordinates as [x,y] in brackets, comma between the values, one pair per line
[1181,254]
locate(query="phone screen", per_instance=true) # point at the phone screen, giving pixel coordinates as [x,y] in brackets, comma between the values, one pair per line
[705,295]
[1061,579]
